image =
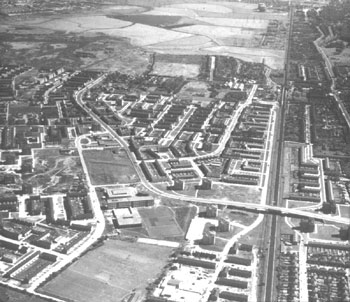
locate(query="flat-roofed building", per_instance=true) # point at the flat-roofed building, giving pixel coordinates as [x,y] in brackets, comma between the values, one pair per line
[117,192]
[126,218]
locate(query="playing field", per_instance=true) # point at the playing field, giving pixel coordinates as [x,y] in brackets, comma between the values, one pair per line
[109,167]
[160,222]
[110,272]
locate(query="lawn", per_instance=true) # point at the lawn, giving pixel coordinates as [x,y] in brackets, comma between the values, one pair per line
[160,223]
[110,272]
[109,167]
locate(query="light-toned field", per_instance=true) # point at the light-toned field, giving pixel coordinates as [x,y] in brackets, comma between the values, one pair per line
[214,32]
[273,58]
[325,232]
[215,8]
[81,24]
[239,23]
[143,35]
[24,45]
[220,28]
[109,272]
[195,87]
[339,58]
[166,11]
[344,211]
[189,45]
[232,193]
[176,69]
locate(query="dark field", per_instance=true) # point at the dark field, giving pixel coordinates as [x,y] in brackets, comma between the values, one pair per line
[152,20]
[11,295]
[106,167]
[160,222]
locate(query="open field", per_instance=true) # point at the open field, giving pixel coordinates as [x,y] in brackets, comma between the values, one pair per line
[300,204]
[160,222]
[184,215]
[241,217]
[110,272]
[325,232]
[107,167]
[215,28]
[231,192]
[344,210]
[54,172]
[176,69]
[82,23]
[11,295]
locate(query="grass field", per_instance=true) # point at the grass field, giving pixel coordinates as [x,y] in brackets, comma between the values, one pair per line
[106,167]
[160,222]
[110,272]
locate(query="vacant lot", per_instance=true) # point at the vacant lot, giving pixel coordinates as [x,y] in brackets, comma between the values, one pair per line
[232,193]
[12,295]
[109,167]
[325,232]
[160,223]
[344,211]
[176,69]
[53,171]
[110,272]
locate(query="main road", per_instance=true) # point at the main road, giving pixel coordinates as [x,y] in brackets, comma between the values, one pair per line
[270,272]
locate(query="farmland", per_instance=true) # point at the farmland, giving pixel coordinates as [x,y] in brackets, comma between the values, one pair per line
[107,167]
[110,272]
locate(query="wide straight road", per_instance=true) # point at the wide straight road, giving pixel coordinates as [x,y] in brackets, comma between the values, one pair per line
[270,274]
